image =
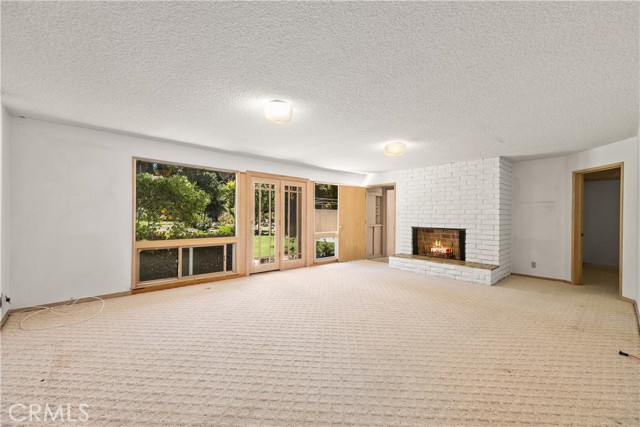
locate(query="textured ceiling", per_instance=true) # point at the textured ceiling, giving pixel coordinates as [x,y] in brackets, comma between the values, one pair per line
[455,80]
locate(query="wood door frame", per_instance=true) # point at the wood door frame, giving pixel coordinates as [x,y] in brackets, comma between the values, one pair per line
[371,227]
[385,222]
[311,226]
[249,218]
[302,237]
[577,223]
[250,235]
[391,221]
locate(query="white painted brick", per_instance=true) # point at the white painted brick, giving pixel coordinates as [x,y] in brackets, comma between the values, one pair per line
[475,195]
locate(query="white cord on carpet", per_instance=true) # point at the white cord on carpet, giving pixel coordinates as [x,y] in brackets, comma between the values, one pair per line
[53,310]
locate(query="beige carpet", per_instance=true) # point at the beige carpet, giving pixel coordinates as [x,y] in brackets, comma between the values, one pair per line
[605,278]
[355,344]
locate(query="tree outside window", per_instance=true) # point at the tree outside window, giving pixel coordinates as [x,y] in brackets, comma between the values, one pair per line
[179,202]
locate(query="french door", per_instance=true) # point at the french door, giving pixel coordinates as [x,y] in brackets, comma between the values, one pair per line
[277,227]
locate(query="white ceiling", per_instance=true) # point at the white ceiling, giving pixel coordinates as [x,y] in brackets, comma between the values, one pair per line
[455,80]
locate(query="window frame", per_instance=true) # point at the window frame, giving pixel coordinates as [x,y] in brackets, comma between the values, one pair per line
[326,234]
[179,244]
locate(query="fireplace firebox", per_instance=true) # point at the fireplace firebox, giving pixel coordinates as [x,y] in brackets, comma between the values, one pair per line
[439,242]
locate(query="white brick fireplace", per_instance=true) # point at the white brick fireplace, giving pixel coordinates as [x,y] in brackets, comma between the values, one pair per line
[473,195]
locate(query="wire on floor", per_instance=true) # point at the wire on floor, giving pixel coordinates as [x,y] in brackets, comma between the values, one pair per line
[622,353]
[58,312]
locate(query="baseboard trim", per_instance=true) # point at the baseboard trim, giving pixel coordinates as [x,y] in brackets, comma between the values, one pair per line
[541,278]
[58,303]
[635,307]
[4,319]
[329,261]
[212,279]
[182,284]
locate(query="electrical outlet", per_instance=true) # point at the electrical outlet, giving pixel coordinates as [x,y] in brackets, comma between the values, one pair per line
[533,264]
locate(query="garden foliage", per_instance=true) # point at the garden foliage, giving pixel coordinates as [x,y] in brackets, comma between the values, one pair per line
[176,202]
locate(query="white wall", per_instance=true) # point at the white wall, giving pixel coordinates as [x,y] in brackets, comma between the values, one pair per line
[541,211]
[537,212]
[601,222]
[71,205]
[3,169]
[5,287]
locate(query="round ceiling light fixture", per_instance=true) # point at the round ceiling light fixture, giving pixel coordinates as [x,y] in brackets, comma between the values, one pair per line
[277,111]
[396,148]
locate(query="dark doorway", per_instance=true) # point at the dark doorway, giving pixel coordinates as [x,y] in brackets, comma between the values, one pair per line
[597,227]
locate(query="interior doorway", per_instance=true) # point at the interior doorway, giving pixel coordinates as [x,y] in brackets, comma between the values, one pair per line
[278,223]
[380,222]
[597,227]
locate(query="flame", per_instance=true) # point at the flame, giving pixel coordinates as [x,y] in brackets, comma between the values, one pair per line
[438,247]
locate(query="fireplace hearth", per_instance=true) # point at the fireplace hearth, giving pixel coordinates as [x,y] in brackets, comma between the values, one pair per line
[448,243]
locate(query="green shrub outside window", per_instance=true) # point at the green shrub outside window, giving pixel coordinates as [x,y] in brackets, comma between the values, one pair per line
[179,202]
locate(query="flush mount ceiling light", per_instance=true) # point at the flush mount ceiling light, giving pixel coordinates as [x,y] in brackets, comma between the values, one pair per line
[277,111]
[396,148]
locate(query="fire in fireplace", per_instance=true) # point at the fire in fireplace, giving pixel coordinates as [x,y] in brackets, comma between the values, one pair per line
[439,242]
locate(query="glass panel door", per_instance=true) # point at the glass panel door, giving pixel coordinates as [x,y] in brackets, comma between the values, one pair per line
[293,233]
[265,225]
[278,224]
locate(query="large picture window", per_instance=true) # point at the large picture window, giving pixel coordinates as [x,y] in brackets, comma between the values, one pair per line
[326,221]
[179,202]
[185,223]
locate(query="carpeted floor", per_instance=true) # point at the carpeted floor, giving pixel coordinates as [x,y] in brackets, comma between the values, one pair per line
[605,278]
[355,344]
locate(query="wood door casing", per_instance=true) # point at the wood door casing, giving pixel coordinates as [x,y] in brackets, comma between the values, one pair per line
[300,189]
[615,170]
[375,222]
[577,229]
[352,231]
[268,244]
[282,259]
[390,222]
